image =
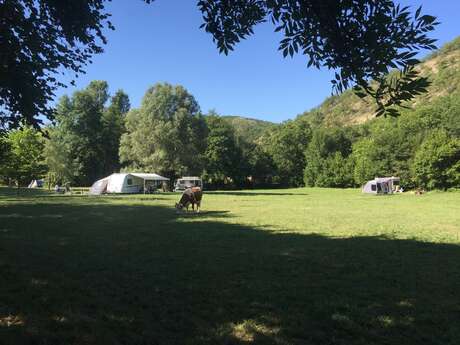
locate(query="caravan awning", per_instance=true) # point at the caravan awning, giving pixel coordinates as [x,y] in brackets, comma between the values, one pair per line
[150,177]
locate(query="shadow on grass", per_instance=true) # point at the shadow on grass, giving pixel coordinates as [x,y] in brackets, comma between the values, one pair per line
[134,274]
[24,192]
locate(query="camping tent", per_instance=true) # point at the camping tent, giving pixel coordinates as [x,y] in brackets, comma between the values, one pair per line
[382,185]
[36,184]
[126,183]
[99,187]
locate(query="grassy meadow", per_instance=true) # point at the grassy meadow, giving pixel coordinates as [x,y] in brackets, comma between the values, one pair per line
[293,266]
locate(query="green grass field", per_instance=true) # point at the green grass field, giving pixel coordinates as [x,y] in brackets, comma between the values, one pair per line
[296,266]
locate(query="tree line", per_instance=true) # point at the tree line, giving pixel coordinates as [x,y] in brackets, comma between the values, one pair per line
[96,134]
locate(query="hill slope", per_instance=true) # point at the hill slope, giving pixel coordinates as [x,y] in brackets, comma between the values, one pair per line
[442,68]
[247,128]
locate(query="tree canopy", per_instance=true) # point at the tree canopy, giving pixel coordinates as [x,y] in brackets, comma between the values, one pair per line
[38,40]
[437,161]
[84,143]
[222,156]
[360,40]
[22,155]
[167,134]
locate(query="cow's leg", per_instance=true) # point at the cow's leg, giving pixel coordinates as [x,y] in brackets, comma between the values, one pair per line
[198,205]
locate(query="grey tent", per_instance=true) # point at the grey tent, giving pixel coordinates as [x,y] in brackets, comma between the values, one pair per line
[36,184]
[99,187]
[382,185]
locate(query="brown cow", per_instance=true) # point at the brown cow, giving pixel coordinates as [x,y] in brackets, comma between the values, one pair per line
[190,196]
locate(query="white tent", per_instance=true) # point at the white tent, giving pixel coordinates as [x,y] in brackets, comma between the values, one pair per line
[126,183]
[382,185]
[36,184]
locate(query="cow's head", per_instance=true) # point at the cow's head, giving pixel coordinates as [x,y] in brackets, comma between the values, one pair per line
[179,206]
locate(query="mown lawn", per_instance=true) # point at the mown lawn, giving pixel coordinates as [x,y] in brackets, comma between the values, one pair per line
[297,266]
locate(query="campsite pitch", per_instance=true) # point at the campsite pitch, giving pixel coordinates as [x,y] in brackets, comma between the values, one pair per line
[295,266]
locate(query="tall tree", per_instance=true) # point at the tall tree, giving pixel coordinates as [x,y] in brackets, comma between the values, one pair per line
[62,167]
[326,158]
[361,40]
[286,145]
[80,132]
[387,151]
[367,161]
[223,156]
[23,160]
[437,162]
[113,126]
[262,169]
[167,134]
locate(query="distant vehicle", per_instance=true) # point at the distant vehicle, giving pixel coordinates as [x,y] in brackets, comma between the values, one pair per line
[187,182]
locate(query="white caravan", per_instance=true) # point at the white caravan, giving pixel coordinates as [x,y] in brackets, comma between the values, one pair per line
[127,183]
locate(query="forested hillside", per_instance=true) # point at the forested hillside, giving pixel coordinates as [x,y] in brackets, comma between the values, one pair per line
[248,128]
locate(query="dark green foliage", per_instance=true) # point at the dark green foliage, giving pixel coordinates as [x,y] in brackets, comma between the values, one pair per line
[113,122]
[59,158]
[256,167]
[166,135]
[286,145]
[223,156]
[261,165]
[327,163]
[386,151]
[39,39]
[437,162]
[21,155]
[5,149]
[82,129]
[83,145]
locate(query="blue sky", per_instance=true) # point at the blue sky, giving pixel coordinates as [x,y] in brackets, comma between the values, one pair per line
[162,42]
